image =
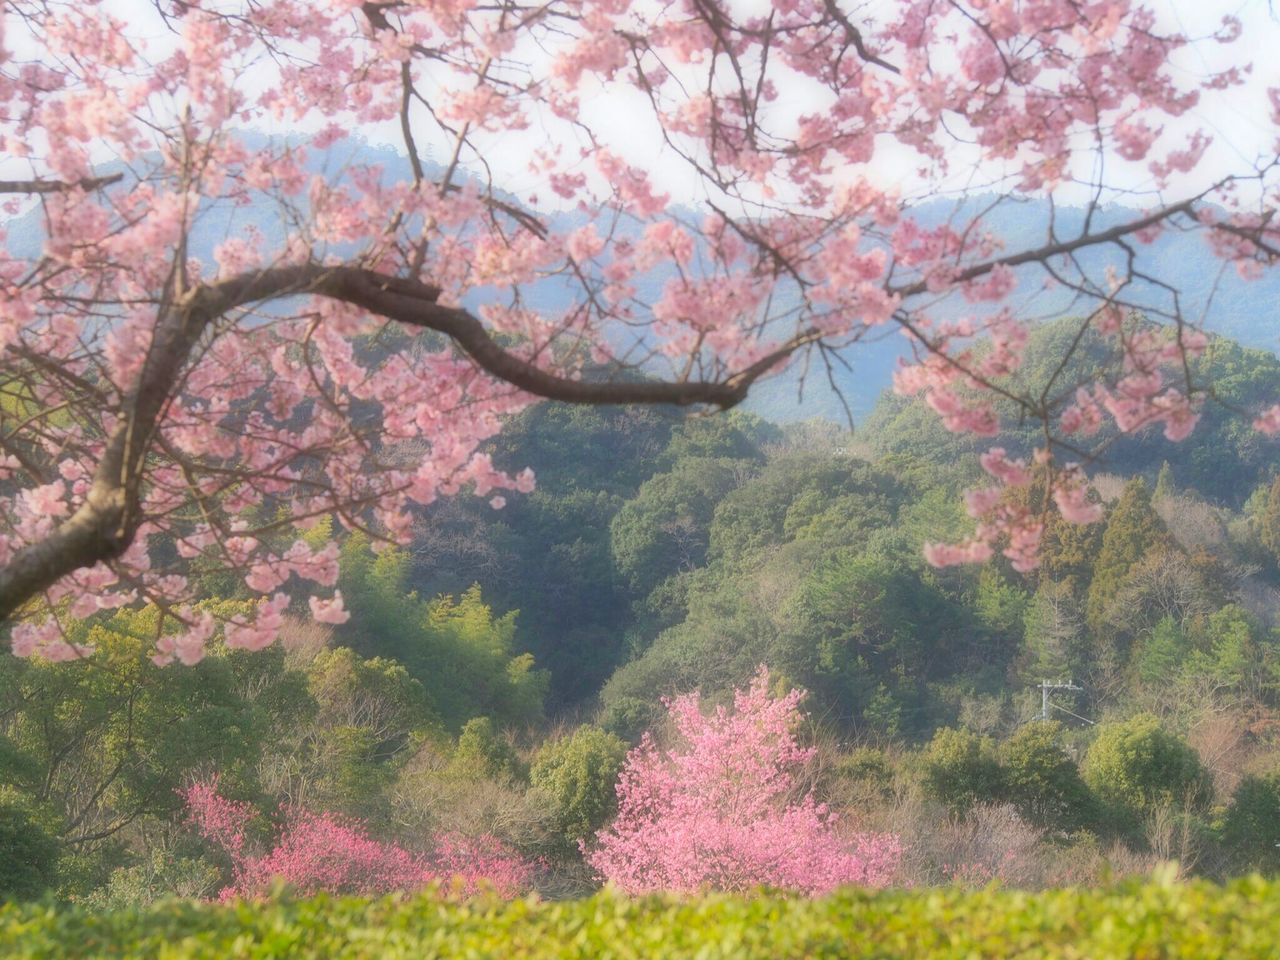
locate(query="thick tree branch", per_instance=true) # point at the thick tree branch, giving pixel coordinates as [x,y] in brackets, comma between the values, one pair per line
[105,524]
[58,186]
[415,304]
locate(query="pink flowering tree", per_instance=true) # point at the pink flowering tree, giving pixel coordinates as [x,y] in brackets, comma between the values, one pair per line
[723,809]
[321,851]
[214,338]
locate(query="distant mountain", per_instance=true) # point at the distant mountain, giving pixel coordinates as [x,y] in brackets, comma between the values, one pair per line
[1246,311]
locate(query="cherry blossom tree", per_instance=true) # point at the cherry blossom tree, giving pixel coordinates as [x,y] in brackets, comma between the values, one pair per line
[353,337]
[320,851]
[724,809]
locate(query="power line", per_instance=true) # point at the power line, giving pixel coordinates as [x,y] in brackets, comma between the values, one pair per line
[1092,723]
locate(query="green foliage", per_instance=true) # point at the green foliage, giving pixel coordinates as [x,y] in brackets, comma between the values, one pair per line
[28,851]
[107,740]
[1042,780]
[1269,529]
[369,714]
[165,873]
[482,752]
[1068,551]
[1152,919]
[1165,487]
[1163,652]
[575,778]
[1053,639]
[1234,650]
[666,528]
[1251,827]
[737,436]
[463,656]
[1134,531]
[1135,766]
[629,718]
[1000,605]
[959,769]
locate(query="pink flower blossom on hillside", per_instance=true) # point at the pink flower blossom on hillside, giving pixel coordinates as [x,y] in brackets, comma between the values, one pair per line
[316,852]
[723,810]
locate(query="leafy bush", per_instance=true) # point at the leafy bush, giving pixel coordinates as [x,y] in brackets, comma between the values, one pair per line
[1135,767]
[575,777]
[28,852]
[321,851]
[1153,919]
[960,769]
[1042,781]
[1251,828]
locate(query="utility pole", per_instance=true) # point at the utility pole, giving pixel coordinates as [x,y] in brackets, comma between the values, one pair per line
[1045,687]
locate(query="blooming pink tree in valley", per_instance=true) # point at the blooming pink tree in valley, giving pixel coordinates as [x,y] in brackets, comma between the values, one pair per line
[723,809]
[352,338]
[320,851]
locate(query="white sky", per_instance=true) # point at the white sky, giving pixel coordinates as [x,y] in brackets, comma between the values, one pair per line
[1238,119]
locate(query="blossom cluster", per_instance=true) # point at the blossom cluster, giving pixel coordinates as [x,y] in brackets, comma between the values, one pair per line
[316,852]
[723,809]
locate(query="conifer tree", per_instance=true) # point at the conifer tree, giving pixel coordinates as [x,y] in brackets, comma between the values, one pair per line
[1270,532]
[1134,530]
[1164,483]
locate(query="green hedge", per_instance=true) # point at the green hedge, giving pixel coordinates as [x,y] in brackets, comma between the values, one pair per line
[1139,921]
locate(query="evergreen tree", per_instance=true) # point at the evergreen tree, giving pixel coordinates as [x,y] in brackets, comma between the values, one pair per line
[1134,530]
[1053,644]
[1270,532]
[1164,483]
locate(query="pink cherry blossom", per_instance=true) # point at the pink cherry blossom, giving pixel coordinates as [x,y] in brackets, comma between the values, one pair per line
[192,325]
[719,809]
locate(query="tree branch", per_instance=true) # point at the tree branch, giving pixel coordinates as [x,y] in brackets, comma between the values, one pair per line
[104,526]
[58,186]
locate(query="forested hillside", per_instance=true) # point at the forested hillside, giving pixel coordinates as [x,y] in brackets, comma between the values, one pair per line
[494,673]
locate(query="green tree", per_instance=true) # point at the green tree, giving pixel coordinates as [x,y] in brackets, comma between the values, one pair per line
[1165,486]
[1053,638]
[960,769]
[1135,766]
[1163,653]
[1251,827]
[1042,780]
[464,657]
[666,528]
[575,777]
[370,715]
[483,752]
[1069,551]
[1269,529]
[29,852]
[1134,530]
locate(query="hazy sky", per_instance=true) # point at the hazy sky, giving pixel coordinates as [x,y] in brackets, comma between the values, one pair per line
[1238,119]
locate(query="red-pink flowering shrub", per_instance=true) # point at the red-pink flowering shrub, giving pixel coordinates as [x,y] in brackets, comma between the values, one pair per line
[321,851]
[721,810]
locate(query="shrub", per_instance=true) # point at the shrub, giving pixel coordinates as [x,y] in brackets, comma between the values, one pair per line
[1153,919]
[960,769]
[575,777]
[322,852]
[1135,767]
[1043,782]
[28,852]
[1251,828]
